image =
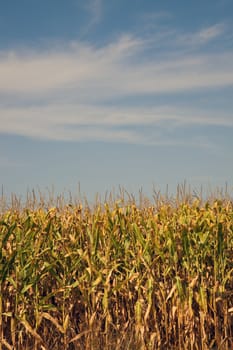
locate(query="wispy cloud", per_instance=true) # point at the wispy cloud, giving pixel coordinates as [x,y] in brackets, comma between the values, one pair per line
[74,92]
[211,32]
[120,68]
[202,36]
[94,9]
[83,123]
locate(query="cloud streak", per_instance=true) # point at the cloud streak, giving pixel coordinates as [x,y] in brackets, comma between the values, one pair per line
[75,92]
[85,123]
[94,8]
[202,36]
[118,68]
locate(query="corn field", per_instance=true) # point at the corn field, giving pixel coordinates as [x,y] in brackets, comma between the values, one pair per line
[118,276]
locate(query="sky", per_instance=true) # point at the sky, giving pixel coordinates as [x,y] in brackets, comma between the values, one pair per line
[98,95]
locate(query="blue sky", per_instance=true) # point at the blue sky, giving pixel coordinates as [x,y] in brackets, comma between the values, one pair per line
[109,93]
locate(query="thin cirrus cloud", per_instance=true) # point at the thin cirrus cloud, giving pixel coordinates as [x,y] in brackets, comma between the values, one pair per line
[94,9]
[112,124]
[203,36]
[71,93]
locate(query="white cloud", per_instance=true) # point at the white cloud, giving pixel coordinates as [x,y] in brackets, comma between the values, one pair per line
[94,9]
[211,32]
[117,69]
[201,37]
[83,123]
[70,93]
[75,67]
